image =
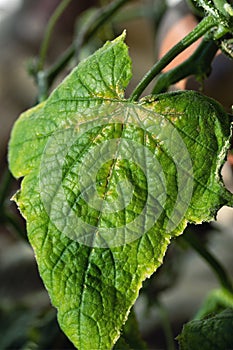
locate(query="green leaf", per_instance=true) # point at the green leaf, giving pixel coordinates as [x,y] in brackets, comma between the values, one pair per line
[212,326]
[107,183]
[214,332]
[216,301]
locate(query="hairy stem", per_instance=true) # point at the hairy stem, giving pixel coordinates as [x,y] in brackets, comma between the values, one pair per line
[201,29]
[220,5]
[199,64]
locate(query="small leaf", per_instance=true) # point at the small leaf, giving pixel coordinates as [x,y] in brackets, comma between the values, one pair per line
[216,301]
[107,183]
[214,332]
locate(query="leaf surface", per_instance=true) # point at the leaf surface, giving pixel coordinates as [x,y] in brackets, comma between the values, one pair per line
[107,183]
[214,332]
[217,301]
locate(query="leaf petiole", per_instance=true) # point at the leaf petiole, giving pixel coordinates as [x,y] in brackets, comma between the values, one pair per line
[86,35]
[48,32]
[199,64]
[201,29]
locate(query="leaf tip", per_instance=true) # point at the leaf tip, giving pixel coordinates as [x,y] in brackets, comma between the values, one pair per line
[121,38]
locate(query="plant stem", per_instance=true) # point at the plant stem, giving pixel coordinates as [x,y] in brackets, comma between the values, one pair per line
[49,30]
[165,322]
[199,63]
[216,267]
[208,7]
[201,29]
[219,4]
[103,15]
[6,181]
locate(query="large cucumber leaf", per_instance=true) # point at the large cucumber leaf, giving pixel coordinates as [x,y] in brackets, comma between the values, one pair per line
[107,183]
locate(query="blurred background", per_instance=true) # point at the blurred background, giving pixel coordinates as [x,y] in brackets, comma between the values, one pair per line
[173,296]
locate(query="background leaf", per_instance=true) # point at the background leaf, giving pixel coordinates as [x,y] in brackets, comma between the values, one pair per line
[217,301]
[214,332]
